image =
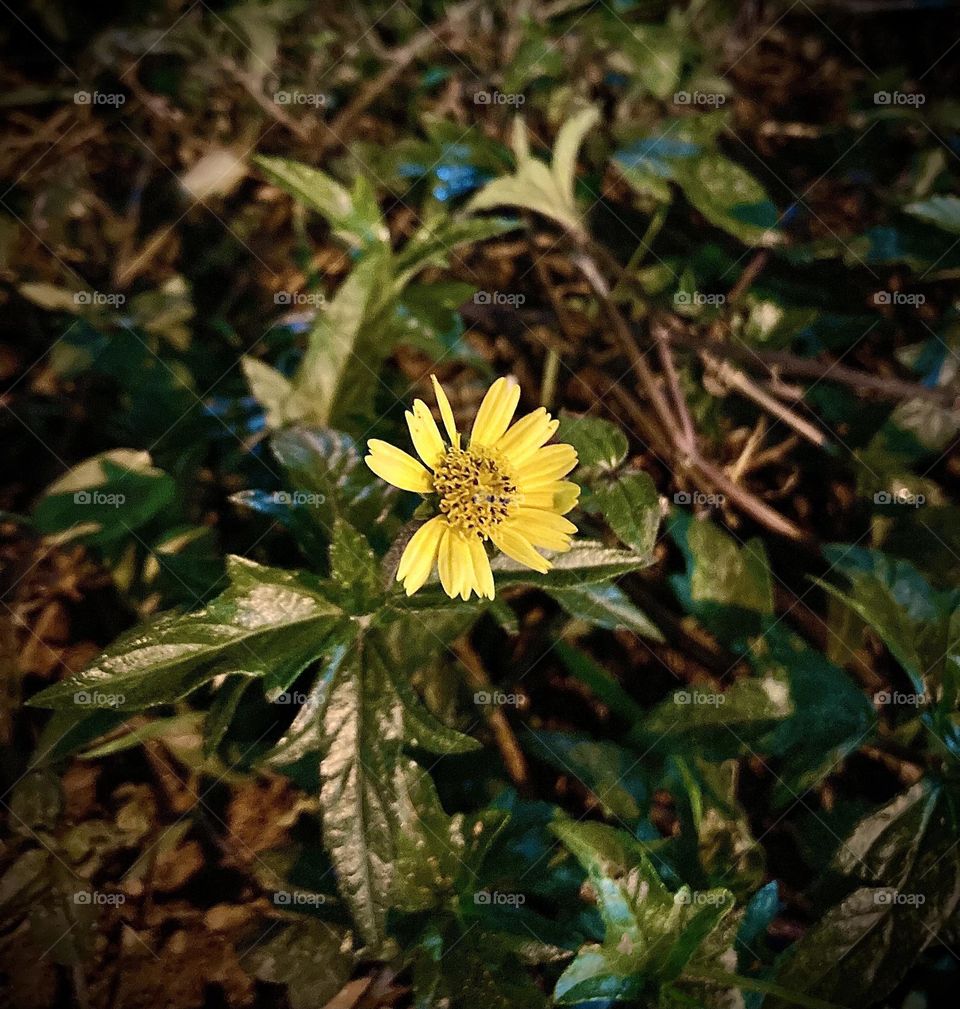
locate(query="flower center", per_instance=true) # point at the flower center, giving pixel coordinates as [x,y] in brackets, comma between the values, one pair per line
[476,490]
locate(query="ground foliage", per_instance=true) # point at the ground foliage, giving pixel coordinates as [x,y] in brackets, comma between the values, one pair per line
[710,759]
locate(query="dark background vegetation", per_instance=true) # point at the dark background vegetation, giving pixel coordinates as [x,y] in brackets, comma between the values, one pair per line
[859,199]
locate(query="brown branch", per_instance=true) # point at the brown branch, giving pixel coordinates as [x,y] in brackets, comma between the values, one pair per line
[686,455]
[778,363]
[506,741]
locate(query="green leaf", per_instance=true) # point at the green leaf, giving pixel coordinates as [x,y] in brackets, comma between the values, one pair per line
[606,605]
[718,722]
[600,445]
[897,602]
[727,585]
[272,390]
[728,852]
[587,562]
[433,242]
[451,960]
[650,934]
[268,623]
[941,211]
[833,717]
[329,465]
[631,506]
[354,218]
[438,856]
[335,380]
[569,140]
[729,197]
[310,957]
[353,564]
[546,191]
[106,497]
[904,855]
[362,731]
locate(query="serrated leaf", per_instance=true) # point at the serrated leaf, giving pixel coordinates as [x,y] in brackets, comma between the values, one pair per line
[897,602]
[608,606]
[268,623]
[600,445]
[362,728]
[534,186]
[631,506]
[344,348]
[650,935]
[329,465]
[353,564]
[354,218]
[905,853]
[587,562]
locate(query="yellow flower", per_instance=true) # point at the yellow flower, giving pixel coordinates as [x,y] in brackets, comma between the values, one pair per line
[504,487]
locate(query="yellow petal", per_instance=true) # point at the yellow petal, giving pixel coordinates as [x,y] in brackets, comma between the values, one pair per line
[445,562]
[545,465]
[481,568]
[527,435]
[420,555]
[425,434]
[559,496]
[542,528]
[396,467]
[464,574]
[446,413]
[496,411]
[515,546]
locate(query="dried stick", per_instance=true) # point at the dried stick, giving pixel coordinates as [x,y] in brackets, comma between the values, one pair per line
[506,741]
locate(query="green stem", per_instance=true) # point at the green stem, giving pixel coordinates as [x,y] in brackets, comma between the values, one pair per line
[653,229]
